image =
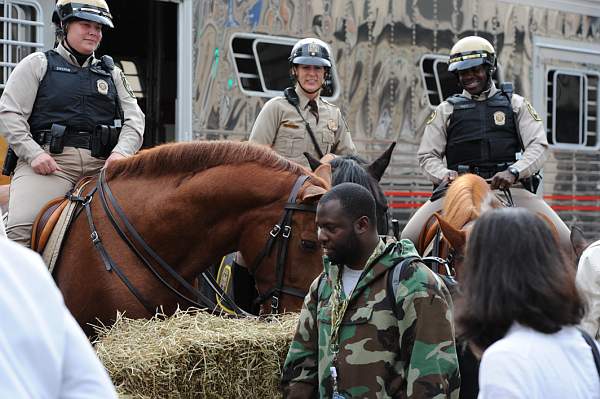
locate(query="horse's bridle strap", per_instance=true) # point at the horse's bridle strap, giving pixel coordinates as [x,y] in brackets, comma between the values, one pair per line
[281,233]
[301,207]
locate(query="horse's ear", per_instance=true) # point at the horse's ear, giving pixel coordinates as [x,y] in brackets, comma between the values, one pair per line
[311,193]
[377,168]
[578,241]
[324,172]
[312,161]
[456,238]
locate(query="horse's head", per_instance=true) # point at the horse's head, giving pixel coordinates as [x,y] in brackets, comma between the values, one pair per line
[292,253]
[352,168]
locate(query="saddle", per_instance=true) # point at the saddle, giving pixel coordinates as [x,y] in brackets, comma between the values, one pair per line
[49,216]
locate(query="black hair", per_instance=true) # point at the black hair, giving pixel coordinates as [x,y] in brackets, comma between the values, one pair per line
[515,272]
[356,201]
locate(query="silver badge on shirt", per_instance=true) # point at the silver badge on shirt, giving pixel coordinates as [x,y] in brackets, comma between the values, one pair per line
[332,125]
[499,118]
[102,86]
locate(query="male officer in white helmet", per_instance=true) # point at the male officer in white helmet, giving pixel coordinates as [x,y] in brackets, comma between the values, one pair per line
[302,121]
[487,131]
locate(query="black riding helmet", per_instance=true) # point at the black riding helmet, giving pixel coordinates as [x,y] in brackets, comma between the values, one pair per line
[311,51]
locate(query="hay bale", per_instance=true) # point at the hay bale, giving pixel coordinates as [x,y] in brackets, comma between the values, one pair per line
[195,354]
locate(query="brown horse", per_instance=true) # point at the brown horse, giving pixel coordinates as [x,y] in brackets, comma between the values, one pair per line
[192,203]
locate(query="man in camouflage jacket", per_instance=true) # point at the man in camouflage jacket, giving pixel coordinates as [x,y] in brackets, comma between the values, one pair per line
[380,355]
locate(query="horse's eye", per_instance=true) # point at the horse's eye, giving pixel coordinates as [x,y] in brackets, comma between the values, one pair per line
[308,245]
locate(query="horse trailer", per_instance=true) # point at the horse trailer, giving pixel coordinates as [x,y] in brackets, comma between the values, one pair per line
[202,69]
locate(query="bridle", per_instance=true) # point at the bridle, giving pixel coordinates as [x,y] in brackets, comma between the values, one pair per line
[150,258]
[280,236]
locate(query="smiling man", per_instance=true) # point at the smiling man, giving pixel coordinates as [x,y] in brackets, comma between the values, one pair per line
[359,335]
[487,131]
[301,121]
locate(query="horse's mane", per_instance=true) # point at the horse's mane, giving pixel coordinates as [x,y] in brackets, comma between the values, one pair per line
[467,197]
[194,157]
[349,169]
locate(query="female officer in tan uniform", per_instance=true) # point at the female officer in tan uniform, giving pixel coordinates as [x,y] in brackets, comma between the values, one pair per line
[54,102]
[282,125]
[486,131]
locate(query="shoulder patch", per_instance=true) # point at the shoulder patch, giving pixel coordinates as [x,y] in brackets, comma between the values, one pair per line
[533,112]
[431,117]
[327,102]
[126,84]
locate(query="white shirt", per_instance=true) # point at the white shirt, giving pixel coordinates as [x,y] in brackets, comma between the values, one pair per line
[588,282]
[350,279]
[43,352]
[528,364]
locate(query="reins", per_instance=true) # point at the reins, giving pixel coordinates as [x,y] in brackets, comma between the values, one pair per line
[107,198]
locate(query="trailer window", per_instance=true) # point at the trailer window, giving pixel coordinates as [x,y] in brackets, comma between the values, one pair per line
[439,84]
[21,34]
[572,109]
[262,66]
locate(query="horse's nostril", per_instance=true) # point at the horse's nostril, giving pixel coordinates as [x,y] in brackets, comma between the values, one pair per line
[308,245]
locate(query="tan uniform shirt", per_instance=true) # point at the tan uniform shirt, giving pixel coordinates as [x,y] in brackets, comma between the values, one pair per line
[279,126]
[16,105]
[433,144]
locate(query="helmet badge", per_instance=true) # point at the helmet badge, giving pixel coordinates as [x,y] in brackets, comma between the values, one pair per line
[313,49]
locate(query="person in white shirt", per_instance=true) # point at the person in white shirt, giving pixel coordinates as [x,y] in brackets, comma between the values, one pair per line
[43,352]
[521,308]
[588,282]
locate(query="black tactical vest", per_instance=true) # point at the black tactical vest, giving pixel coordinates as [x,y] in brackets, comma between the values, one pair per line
[79,98]
[481,134]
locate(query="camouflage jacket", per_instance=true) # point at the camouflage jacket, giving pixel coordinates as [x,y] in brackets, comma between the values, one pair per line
[380,356]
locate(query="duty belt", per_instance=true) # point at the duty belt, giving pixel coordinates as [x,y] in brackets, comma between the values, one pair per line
[72,138]
[487,172]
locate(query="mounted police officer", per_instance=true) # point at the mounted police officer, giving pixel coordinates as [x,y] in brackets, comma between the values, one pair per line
[65,114]
[301,121]
[490,132]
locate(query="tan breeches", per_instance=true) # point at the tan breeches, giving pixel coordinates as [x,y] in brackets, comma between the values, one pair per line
[521,197]
[30,191]
[2,229]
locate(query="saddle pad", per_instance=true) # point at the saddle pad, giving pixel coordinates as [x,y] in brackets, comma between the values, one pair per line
[54,243]
[63,221]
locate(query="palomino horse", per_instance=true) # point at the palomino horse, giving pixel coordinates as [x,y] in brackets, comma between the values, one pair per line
[192,203]
[352,168]
[466,198]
